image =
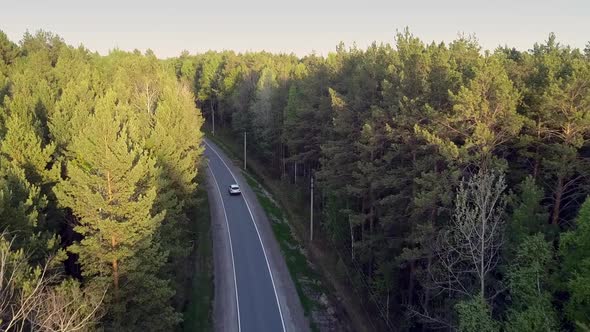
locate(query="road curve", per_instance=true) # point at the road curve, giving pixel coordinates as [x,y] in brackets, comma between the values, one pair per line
[253,290]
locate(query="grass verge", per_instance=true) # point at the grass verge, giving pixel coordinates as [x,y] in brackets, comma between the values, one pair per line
[198,313]
[308,281]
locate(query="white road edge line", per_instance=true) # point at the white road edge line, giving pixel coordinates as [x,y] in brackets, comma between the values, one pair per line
[233,265]
[259,237]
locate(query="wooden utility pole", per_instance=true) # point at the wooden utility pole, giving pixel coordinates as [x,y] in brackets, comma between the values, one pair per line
[212,116]
[244,151]
[351,238]
[311,211]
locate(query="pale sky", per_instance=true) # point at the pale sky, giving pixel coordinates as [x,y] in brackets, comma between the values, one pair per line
[298,26]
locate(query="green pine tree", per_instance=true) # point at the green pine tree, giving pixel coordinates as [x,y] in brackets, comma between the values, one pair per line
[110,187]
[575,252]
[528,276]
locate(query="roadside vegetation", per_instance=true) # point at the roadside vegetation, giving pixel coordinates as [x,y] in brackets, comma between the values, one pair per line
[198,310]
[451,181]
[98,173]
[306,279]
[317,297]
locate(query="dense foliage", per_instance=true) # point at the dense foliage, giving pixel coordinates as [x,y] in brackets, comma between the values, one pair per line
[98,164]
[452,176]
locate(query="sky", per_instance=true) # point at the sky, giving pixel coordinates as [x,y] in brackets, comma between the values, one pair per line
[301,27]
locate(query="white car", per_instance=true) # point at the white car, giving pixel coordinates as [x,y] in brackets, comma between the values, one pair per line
[234,189]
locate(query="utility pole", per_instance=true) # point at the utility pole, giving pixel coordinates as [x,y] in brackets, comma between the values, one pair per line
[213,118]
[351,238]
[311,210]
[244,151]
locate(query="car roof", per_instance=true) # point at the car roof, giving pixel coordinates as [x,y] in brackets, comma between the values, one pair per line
[234,185]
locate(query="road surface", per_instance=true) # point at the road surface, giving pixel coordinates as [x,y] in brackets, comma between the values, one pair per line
[253,288]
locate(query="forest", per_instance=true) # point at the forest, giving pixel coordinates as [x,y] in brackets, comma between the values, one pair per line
[454,178]
[99,158]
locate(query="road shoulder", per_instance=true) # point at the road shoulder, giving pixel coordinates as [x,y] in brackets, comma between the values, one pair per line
[225,315]
[291,308]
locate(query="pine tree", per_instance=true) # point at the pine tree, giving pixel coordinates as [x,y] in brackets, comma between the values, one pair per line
[31,97]
[484,118]
[528,277]
[71,112]
[566,106]
[175,145]
[22,212]
[529,216]
[339,153]
[78,77]
[206,83]
[575,252]
[261,110]
[23,146]
[8,54]
[110,187]
[475,316]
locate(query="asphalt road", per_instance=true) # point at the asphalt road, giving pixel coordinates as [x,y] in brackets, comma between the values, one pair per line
[252,297]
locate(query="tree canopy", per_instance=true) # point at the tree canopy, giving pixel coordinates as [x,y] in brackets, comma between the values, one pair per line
[398,136]
[99,157]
